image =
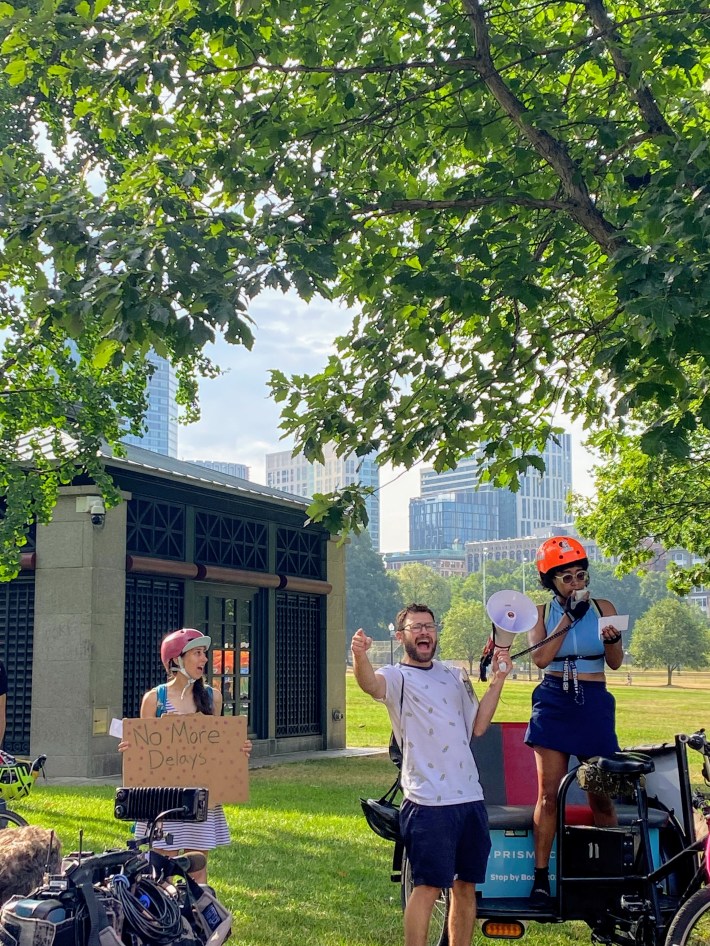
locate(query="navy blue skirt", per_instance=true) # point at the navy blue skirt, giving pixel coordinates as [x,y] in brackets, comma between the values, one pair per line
[579,724]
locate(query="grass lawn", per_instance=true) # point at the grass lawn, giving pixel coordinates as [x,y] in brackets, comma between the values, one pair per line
[304,868]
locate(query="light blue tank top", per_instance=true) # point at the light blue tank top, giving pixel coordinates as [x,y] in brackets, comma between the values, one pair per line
[581,641]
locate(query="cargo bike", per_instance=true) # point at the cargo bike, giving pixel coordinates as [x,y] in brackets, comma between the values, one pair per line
[643,883]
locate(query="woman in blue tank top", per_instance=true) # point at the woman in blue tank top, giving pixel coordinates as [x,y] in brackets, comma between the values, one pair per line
[572,710]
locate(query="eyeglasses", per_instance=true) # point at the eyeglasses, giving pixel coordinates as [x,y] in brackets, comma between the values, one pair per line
[418,628]
[581,575]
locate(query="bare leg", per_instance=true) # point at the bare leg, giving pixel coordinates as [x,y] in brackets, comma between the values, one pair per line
[603,810]
[551,769]
[417,914]
[462,915]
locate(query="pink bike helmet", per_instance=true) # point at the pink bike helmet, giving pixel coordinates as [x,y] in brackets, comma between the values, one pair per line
[177,642]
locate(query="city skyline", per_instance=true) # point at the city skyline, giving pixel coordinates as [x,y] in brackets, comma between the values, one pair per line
[296,338]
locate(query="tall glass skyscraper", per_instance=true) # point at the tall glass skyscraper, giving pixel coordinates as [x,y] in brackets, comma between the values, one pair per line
[451,508]
[296,475]
[161,435]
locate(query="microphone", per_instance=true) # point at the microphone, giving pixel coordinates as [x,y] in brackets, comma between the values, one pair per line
[191,861]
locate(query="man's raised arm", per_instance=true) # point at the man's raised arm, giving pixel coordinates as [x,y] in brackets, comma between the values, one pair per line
[369,681]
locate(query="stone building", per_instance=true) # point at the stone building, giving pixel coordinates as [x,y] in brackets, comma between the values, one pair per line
[80,627]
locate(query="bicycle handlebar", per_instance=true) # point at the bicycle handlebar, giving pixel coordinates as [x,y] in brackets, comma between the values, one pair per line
[697,741]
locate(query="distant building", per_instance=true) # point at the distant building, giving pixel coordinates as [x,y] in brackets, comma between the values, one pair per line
[161,434]
[439,522]
[449,563]
[240,470]
[456,505]
[524,549]
[298,476]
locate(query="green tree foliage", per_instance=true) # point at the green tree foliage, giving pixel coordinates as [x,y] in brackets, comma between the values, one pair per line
[644,500]
[420,584]
[514,194]
[371,599]
[502,575]
[465,632]
[672,634]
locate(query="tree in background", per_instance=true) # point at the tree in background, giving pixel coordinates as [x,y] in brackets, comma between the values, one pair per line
[516,203]
[417,583]
[661,498]
[654,587]
[371,599]
[671,634]
[502,575]
[466,628]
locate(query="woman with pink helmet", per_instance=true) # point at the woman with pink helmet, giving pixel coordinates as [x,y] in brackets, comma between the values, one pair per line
[184,656]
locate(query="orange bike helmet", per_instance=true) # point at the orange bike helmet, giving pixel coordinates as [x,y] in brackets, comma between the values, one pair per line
[559,552]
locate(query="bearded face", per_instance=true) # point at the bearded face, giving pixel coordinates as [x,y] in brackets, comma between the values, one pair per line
[419,637]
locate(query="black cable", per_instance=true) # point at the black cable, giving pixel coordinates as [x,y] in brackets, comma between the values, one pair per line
[150,912]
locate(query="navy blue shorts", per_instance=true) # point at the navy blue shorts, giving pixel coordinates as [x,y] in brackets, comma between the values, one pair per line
[583,727]
[446,842]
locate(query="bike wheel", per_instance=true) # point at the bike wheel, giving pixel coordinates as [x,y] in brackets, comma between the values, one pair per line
[438,930]
[691,924]
[10,819]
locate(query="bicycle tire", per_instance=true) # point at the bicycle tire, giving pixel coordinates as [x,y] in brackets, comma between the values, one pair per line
[10,819]
[691,924]
[438,926]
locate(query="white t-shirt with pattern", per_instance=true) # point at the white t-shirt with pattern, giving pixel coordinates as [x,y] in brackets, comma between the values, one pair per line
[438,712]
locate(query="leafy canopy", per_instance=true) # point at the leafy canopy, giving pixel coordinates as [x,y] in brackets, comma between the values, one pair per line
[662,498]
[513,194]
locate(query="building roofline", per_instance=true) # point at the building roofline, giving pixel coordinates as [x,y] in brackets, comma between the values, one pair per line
[138,458]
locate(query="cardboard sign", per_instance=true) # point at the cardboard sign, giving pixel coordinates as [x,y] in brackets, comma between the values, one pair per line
[191,751]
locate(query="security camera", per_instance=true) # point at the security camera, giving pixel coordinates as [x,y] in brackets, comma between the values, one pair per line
[97,511]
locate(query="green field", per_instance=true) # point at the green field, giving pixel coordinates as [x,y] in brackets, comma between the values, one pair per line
[303,867]
[643,714]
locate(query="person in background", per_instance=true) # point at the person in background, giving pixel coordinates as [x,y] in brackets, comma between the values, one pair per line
[184,656]
[572,711]
[443,821]
[3,701]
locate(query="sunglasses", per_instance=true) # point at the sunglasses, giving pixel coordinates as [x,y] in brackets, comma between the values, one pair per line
[581,575]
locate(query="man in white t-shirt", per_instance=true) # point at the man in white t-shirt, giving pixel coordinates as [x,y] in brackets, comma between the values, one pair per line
[434,713]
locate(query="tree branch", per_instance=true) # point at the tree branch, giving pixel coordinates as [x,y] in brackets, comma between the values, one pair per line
[580,206]
[468,203]
[607,30]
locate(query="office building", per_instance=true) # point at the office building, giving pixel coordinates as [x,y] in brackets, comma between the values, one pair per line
[449,563]
[449,519]
[455,505]
[240,470]
[161,434]
[296,475]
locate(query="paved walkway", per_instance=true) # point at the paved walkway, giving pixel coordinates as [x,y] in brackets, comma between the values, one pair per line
[257,763]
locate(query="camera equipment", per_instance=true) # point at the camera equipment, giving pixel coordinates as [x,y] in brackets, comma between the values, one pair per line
[166,804]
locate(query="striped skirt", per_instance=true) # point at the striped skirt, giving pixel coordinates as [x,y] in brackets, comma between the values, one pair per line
[192,835]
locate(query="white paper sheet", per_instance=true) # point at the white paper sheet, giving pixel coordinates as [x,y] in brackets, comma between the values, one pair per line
[619,621]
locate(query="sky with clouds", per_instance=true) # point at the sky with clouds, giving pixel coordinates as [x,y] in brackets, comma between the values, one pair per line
[240,422]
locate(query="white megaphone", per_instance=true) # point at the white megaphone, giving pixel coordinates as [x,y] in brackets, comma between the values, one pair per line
[512,613]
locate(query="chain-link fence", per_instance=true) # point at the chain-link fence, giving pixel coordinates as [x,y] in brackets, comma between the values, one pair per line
[385,652]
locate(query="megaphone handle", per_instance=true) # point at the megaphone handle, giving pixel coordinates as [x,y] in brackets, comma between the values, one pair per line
[502,664]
